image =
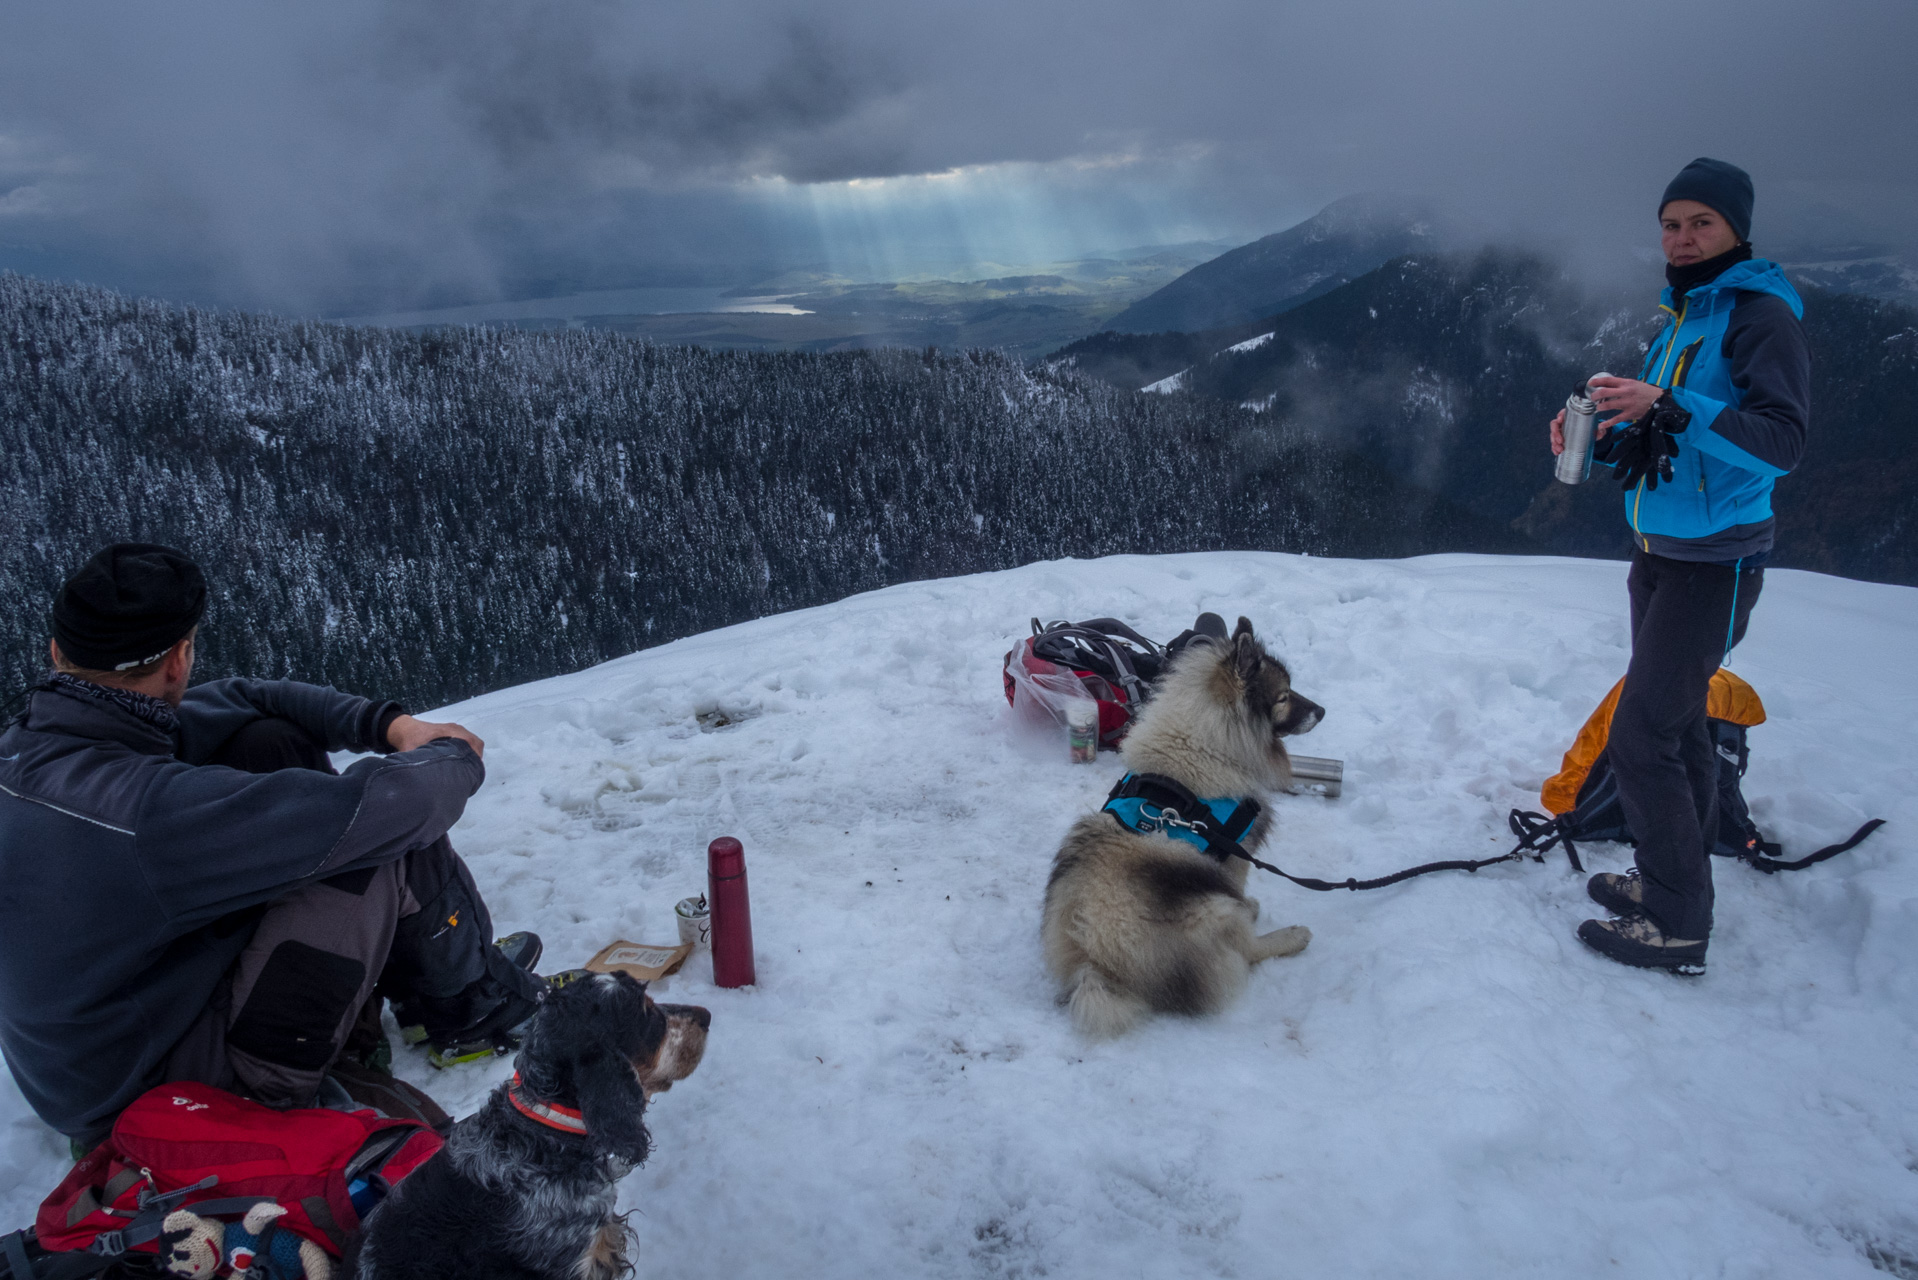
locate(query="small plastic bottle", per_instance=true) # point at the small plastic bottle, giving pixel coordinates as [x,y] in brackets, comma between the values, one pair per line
[1082,730]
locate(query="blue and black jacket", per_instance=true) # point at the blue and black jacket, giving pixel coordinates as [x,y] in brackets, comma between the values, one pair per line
[1736,359]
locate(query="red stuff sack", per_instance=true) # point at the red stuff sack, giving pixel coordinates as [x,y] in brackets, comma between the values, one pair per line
[1103,659]
[192,1146]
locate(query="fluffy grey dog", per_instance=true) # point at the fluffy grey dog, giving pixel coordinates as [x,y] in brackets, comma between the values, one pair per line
[1140,922]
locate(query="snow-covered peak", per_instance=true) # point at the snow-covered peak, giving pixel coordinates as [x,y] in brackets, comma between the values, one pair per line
[1445,1084]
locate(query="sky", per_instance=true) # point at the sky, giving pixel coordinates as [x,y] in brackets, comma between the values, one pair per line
[365,155]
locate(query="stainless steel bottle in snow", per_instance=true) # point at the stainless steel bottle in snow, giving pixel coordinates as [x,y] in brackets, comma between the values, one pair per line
[1575,464]
[1312,773]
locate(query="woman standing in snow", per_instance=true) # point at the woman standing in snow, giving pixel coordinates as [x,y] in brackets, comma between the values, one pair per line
[1717,415]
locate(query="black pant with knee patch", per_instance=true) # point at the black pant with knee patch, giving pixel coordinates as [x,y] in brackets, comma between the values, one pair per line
[1686,617]
[414,930]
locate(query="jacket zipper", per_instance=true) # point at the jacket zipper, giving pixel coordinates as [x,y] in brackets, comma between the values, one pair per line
[1671,345]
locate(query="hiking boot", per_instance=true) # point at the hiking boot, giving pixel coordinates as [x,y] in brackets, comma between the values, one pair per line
[511,1019]
[1635,940]
[1621,895]
[496,1034]
[522,948]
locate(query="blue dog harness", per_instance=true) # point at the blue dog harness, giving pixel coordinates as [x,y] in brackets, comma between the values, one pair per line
[1151,803]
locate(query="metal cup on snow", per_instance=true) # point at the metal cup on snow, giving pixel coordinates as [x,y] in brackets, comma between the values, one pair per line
[695,923]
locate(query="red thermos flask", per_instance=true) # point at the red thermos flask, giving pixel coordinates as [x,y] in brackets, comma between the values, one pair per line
[732,915]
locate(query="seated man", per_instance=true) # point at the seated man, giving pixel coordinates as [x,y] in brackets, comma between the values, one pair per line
[189,891]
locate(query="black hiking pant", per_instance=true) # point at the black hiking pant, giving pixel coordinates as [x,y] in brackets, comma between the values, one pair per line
[1686,617]
[414,930]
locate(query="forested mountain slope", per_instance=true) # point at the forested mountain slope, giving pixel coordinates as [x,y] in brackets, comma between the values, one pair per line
[430,516]
[1444,369]
[1341,242]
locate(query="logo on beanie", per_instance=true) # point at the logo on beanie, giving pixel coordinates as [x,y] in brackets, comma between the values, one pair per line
[141,662]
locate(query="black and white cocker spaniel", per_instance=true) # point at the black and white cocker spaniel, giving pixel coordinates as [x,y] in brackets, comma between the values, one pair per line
[526,1185]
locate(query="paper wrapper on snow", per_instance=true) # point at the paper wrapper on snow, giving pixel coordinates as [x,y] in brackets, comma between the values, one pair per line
[638,960]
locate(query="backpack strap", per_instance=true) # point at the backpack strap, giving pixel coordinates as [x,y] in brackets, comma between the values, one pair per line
[119,1184]
[13,1246]
[1537,834]
[1114,627]
[1771,866]
[17,1264]
[1073,642]
[148,1223]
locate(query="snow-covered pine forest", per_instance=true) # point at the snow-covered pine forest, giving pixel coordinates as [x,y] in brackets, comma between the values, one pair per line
[428,516]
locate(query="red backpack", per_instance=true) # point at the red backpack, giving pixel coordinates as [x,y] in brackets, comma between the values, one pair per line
[196,1147]
[1102,659]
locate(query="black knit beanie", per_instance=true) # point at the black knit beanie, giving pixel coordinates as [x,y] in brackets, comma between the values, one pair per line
[1716,185]
[127,606]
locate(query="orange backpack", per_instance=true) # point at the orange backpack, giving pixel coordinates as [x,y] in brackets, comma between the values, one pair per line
[1582,797]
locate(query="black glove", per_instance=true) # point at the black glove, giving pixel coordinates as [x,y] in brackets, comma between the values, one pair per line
[1644,450]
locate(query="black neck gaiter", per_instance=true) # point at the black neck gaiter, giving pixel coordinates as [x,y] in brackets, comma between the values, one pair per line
[1686,278]
[141,707]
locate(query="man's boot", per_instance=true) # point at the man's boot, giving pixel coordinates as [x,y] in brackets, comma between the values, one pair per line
[1635,940]
[1621,895]
[482,1021]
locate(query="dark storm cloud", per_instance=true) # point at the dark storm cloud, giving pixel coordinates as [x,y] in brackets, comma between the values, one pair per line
[357,153]
[557,88]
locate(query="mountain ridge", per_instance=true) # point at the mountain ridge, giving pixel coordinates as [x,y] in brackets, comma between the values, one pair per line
[1444,369]
[1342,241]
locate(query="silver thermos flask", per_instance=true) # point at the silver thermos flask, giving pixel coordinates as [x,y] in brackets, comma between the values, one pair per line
[1575,464]
[1312,773]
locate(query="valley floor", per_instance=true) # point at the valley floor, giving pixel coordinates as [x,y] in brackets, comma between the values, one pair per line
[1446,1083]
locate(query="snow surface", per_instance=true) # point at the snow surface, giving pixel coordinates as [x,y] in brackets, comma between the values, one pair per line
[1166,386]
[1446,1083]
[1251,344]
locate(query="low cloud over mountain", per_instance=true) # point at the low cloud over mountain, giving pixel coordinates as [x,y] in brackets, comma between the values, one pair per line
[370,153]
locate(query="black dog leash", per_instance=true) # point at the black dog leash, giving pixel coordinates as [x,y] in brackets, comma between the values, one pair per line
[1537,833]
[1220,838]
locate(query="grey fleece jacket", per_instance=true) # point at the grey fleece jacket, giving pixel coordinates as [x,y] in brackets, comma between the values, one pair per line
[131,876]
